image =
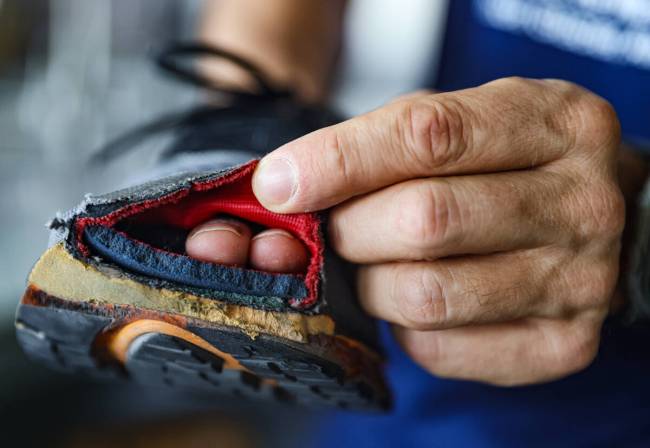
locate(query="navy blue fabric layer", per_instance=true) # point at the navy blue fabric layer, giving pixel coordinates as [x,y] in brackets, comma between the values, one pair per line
[144,259]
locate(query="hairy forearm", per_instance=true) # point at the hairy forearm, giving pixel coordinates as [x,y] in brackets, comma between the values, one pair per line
[295,42]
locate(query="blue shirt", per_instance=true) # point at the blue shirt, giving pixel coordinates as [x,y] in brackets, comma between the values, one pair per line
[603,45]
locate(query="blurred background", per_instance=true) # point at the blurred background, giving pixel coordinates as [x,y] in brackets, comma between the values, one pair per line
[74,74]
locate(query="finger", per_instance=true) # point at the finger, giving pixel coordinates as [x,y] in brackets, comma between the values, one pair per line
[515,353]
[425,219]
[503,125]
[276,250]
[463,291]
[222,241]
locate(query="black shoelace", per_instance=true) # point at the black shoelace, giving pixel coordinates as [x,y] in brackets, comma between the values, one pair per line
[174,60]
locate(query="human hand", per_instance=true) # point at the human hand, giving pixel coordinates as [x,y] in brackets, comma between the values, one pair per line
[487,222]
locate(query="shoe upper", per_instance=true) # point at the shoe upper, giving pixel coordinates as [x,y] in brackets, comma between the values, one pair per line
[140,230]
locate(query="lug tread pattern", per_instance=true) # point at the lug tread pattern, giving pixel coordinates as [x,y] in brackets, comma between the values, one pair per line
[62,339]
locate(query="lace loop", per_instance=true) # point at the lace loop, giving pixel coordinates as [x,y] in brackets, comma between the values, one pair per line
[170,61]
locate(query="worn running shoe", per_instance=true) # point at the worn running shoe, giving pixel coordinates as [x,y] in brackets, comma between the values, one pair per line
[116,294]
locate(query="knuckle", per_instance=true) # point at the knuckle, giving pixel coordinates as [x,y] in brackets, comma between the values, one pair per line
[576,350]
[515,81]
[423,304]
[611,209]
[514,86]
[583,351]
[334,157]
[429,217]
[605,212]
[598,283]
[594,120]
[601,122]
[431,132]
[562,86]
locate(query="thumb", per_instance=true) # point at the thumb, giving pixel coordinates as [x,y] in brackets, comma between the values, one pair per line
[330,165]
[470,131]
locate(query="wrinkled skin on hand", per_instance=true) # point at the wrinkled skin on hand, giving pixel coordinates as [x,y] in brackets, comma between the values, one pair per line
[487,222]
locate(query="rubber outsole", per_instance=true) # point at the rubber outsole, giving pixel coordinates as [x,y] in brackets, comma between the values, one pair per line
[322,373]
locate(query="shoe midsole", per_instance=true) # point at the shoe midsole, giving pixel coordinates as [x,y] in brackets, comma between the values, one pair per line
[59,274]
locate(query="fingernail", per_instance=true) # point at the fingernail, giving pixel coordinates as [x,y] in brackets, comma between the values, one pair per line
[274,232]
[275,181]
[215,226]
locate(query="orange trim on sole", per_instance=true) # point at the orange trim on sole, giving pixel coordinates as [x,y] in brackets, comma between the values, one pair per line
[119,341]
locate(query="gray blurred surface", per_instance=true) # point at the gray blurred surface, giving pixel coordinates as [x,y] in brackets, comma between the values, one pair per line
[80,73]
[75,73]
[86,81]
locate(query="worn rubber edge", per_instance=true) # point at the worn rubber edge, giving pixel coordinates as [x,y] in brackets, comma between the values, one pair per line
[327,371]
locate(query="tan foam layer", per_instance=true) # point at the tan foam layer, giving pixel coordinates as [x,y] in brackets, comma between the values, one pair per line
[59,274]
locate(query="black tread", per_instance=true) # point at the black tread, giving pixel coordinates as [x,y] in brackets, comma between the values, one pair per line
[63,340]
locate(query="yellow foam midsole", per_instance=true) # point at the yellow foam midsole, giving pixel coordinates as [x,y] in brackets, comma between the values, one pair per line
[59,274]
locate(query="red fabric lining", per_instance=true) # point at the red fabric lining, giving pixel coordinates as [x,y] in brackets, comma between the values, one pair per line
[232,194]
